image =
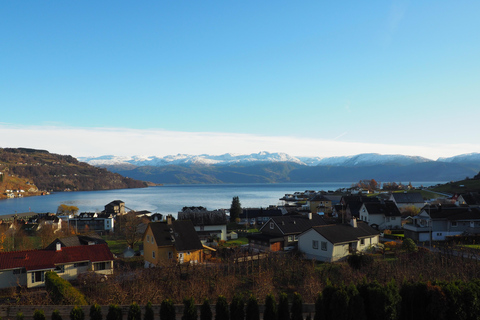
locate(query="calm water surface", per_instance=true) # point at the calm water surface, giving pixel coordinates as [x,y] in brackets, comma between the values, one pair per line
[170,199]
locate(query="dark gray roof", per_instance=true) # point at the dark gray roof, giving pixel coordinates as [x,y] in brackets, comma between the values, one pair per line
[471,198]
[260,212]
[77,240]
[387,208]
[453,213]
[412,197]
[295,224]
[339,233]
[180,234]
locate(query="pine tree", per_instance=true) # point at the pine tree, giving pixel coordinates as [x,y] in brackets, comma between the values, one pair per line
[56,315]
[167,310]
[235,209]
[95,312]
[38,315]
[149,314]
[270,312]
[221,309]
[77,313]
[283,310]
[237,308]
[252,311]
[134,312]
[189,310]
[297,307]
[114,312]
[205,310]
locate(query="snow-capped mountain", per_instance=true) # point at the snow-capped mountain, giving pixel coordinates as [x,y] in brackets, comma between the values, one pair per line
[185,159]
[366,159]
[463,158]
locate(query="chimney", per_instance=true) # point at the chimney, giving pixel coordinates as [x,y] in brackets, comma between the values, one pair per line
[353,222]
[310,216]
[169,219]
[58,246]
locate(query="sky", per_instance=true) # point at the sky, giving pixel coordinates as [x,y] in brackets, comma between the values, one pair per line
[308,78]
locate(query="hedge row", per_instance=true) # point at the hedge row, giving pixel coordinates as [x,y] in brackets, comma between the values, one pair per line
[61,291]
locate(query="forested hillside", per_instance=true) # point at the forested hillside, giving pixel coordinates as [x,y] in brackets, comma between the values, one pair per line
[53,172]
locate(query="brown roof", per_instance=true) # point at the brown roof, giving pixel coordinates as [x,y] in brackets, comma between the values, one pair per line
[180,234]
[338,233]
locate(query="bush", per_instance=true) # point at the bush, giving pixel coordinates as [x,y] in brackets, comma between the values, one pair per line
[134,312]
[206,311]
[270,312]
[95,312]
[358,260]
[283,312]
[221,309]
[77,313]
[114,312]
[252,311]
[167,310]
[189,310]
[297,307]
[61,291]
[149,314]
[38,315]
[237,311]
[20,316]
[409,245]
[56,315]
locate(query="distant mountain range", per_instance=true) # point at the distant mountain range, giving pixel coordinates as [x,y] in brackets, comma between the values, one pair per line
[265,167]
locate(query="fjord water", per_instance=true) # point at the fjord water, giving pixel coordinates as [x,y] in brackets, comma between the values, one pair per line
[169,199]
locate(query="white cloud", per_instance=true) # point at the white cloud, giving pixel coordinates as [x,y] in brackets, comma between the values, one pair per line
[126,142]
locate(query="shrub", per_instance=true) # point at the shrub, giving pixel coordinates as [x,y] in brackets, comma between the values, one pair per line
[319,308]
[409,245]
[38,315]
[189,310]
[297,307]
[56,315]
[283,312]
[252,311]
[77,313]
[237,311]
[114,312]
[149,314]
[20,316]
[167,310]
[270,312]
[206,311]
[359,260]
[221,309]
[61,291]
[134,312]
[95,312]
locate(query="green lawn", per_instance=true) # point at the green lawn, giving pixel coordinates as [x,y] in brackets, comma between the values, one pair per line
[117,246]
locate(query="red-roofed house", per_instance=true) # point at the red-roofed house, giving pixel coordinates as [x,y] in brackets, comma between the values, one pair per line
[27,268]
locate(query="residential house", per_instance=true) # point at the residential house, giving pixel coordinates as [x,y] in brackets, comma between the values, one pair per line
[381,215]
[335,242]
[27,268]
[435,223]
[103,222]
[259,216]
[76,240]
[320,204]
[116,207]
[471,199]
[406,200]
[350,206]
[208,224]
[281,233]
[171,240]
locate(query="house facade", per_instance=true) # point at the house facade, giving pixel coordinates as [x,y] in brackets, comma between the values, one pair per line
[381,215]
[174,241]
[405,200]
[435,223]
[281,233]
[208,224]
[27,268]
[335,242]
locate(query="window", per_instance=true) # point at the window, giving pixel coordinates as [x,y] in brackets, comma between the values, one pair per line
[19,271]
[362,242]
[393,218]
[170,255]
[439,234]
[454,223]
[271,225]
[80,264]
[295,237]
[324,245]
[38,276]
[148,238]
[290,238]
[315,244]
[60,269]
[99,266]
[153,254]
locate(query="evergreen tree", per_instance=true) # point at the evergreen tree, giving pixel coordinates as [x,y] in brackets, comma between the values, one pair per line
[319,308]
[270,312]
[206,310]
[56,315]
[237,308]
[297,307]
[167,310]
[77,313]
[134,312]
[95,312]
[149,314]
[356,305]
[235,209]
[38,315]
[189,310]
[252,311]
[339,304]
[114,312]
[221,309]
[283,310]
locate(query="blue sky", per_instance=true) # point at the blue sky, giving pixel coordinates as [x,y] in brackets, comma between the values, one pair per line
[315,78]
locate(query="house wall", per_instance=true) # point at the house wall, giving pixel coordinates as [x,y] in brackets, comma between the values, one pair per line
[223,228]
[9,279]
[190,256]
[305,245]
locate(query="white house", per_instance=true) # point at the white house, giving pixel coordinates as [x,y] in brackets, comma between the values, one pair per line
[381,215]
[334,242]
